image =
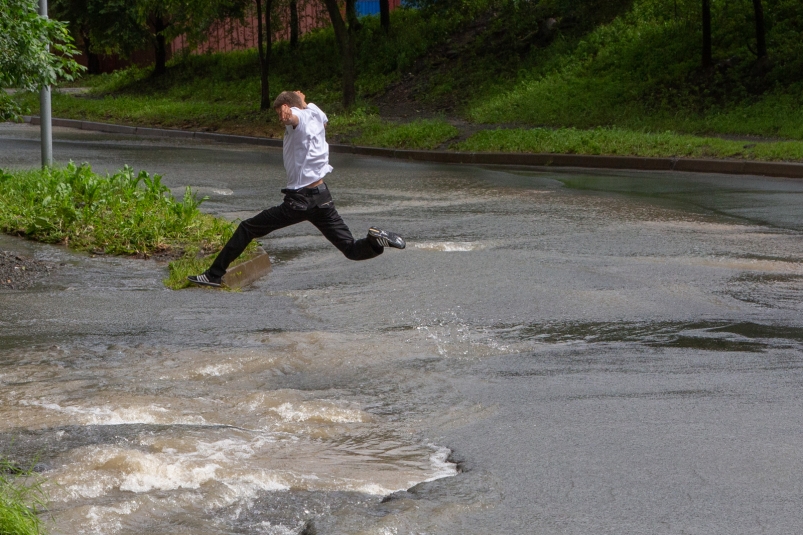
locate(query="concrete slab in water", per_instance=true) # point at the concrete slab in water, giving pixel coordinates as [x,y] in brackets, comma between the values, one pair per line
[249,271]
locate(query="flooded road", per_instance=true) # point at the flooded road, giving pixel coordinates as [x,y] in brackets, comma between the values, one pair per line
[556,351]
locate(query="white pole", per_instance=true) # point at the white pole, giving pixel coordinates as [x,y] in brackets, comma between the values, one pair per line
[45,115]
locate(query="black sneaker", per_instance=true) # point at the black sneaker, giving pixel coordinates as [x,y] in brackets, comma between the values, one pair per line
[385,238]
[205,279]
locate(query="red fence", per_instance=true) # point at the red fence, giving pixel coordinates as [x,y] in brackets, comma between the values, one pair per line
[229,35]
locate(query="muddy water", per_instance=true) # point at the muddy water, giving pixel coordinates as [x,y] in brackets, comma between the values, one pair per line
[555,352]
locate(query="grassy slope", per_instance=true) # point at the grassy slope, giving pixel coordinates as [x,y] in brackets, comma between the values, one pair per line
[641,72]
[221,91]
[617,77]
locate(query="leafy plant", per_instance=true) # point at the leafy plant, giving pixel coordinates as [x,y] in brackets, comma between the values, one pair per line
[34,52]
[124,213]
[22,499]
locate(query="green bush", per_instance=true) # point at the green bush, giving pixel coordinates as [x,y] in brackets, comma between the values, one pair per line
[121,213]
[124,213]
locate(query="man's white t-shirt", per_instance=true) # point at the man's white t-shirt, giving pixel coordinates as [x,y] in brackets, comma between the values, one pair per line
[306,153]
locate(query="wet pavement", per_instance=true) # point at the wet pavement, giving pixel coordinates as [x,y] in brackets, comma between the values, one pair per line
[556,351]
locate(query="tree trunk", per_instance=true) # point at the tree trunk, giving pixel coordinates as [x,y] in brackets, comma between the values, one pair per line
[347,41]
[160,65]
[351,16]
[92,59]
[92,63]
[384,15]
[294,26]
[761,32]
[708,61]
[264,37]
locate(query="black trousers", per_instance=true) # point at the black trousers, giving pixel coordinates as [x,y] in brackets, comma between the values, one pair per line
[306,204]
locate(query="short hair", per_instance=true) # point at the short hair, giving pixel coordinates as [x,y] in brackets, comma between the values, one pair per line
[291,98]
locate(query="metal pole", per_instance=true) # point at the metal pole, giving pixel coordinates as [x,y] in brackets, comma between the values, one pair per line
[45,116]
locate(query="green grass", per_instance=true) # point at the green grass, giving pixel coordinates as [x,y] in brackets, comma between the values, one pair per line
[641,71]
[124,213]
[617,141]
[222,91]
[179,270]
[371,130]
[21,501]
[630,67]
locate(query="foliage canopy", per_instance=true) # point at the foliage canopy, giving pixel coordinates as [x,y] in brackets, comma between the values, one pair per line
[34,51]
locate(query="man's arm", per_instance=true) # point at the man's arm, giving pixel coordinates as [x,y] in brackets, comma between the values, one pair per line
[287,117]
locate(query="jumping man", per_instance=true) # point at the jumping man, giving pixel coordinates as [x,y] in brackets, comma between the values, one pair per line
[306,197]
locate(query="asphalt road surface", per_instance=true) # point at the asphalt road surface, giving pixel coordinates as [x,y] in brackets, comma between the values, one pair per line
[555,352]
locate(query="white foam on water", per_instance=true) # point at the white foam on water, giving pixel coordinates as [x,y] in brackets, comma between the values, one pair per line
[320,411]
[203,190]
[375,490]
[216,370]
[449,246]
[440,464]
[107,519]
[97,471]
[267,528]
[149,414]
[147,473]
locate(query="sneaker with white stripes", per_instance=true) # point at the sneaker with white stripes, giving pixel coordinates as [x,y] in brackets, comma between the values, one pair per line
[204,279]
[385,238]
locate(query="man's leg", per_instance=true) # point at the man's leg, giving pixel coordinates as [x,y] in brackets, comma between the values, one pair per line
[261,224]
[334,229]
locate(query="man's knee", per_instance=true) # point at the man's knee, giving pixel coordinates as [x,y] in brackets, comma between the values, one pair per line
[361,250]
[249,229]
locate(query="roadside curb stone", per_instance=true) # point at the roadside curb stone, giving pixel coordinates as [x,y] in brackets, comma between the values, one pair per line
[633,163]
[249,271]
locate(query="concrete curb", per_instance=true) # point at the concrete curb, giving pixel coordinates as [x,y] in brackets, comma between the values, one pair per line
[633,163]
[249,271]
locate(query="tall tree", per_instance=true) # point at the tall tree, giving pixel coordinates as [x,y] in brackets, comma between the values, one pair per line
[166,19]
[346,35]
[264,33]
[295,26]
[707,54]
[124,26]
[761,31]
[34,51]
[78,14]
[384,15]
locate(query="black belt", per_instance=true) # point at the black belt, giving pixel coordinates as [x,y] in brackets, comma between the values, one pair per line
[306,191]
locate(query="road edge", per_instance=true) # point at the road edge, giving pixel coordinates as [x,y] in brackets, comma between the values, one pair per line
[631,163]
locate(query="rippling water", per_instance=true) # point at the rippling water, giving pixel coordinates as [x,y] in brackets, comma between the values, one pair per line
[554,352]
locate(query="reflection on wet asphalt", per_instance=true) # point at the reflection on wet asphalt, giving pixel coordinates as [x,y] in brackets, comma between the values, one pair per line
[556,351]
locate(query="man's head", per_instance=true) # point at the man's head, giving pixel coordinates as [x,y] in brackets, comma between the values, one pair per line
[289,98]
